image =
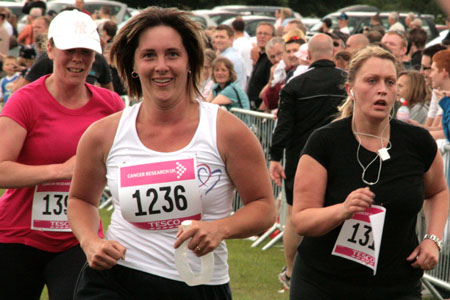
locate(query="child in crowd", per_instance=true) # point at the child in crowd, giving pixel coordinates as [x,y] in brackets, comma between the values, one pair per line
[26,58]
[10,68]
[27,55]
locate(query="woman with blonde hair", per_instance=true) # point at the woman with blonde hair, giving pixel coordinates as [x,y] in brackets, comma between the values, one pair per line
[296,33]
[363,167]
[412,87]
[207,82]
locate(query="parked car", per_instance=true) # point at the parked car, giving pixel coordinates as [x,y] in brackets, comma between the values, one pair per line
[119,10]
[358,7]
[251,22]
[204,21]
[438,39]
[216,16]
[310,21]
[357,20]
[255,10]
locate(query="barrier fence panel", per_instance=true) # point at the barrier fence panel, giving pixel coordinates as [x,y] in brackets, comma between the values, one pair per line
[440,275]
[262,125]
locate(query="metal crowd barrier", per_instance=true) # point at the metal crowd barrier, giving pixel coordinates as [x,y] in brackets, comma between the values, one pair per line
[440,275]
[262,125]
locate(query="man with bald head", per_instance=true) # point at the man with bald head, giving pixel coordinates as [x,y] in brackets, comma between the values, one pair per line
[307,102]
[356,42]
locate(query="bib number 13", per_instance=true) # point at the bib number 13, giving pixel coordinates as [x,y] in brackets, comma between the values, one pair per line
[365,239]
[173,199]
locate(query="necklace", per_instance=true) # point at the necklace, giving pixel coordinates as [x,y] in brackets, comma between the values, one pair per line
[378,156]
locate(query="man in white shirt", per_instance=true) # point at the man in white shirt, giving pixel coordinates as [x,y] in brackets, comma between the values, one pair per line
[343,23]
[394,22]
[223,43]
[242,44]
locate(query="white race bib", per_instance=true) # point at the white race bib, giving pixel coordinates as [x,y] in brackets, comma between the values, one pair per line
[360,237]
[159,195]
[49,212]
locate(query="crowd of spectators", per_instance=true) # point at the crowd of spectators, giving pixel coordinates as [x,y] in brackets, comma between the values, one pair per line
[29,48]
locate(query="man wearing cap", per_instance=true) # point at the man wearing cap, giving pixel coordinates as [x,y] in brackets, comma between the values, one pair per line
[29,4]
[343,23]
[40,128]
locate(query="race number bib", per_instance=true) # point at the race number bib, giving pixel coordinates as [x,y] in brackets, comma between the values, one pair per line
[49,212]
[159,195]
[360,237]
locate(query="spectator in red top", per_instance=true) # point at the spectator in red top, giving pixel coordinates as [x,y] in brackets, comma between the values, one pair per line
[79,4]
[283,63]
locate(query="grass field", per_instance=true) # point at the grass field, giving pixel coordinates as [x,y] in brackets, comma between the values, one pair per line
[253,272]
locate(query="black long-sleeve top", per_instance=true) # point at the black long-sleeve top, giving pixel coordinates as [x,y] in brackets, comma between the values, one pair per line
[307,102]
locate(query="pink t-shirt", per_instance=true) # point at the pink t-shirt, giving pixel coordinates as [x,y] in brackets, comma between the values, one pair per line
[53,132]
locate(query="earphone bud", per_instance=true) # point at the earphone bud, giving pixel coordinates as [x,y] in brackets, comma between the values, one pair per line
[351,92]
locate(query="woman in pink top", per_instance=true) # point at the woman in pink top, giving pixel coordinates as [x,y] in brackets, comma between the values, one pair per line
[39,128]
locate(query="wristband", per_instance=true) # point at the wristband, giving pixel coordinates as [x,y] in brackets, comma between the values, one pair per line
[435,239]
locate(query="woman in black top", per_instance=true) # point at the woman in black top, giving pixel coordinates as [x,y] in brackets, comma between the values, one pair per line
[366,163]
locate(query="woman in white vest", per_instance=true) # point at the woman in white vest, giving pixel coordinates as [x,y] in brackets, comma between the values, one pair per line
[166,159]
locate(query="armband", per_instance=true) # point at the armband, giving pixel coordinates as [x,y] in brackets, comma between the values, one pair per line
[435,239]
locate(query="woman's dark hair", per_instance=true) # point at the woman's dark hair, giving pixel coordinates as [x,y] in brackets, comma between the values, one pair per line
[110,28]
[127,41]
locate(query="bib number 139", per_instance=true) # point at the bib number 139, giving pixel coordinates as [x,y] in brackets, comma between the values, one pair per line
[55,204]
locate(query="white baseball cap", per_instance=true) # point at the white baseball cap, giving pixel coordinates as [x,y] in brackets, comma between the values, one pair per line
[74,29]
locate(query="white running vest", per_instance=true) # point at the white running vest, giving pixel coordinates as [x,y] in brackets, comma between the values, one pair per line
[152,251]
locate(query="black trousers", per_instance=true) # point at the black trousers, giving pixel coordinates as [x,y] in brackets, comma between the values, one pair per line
[304,288]
[120,283]
[25,270]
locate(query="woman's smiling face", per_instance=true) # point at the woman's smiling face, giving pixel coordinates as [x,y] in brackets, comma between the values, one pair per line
[161,61]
